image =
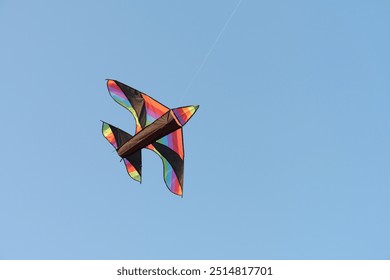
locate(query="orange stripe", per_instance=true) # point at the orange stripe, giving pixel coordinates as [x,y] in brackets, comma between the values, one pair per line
[158,106]
[179,143]
[130,168]
[110,137]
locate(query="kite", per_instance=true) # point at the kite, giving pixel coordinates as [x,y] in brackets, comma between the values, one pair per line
[158,128]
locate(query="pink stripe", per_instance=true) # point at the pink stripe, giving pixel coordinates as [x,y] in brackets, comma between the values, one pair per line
[118,92]
[151,112]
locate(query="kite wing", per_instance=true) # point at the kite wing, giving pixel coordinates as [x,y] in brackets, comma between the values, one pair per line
[169,148]
[171,151]
[144,108]
[117,138]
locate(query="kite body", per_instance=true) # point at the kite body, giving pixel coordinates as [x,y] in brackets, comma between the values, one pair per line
[158,128]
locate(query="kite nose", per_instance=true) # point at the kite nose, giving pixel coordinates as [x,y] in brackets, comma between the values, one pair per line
[183,114]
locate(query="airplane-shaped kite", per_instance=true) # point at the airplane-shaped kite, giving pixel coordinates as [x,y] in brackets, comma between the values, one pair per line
[158,128]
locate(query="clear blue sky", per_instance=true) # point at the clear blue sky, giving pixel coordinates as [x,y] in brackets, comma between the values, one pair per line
[287,158]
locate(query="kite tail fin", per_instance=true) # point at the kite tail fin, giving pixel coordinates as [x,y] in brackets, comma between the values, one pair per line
[173,165]
[133,165]
[117,138]
[184,114]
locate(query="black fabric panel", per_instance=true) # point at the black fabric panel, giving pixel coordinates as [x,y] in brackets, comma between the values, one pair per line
[174,160]
[121,137]
[136,160]
[136,100]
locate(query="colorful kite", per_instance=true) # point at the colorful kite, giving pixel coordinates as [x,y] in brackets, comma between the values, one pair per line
[158,128]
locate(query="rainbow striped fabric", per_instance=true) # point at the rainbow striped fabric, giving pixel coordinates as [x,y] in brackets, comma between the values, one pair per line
[154,110]
[184,114]
[174,141]
[109,135]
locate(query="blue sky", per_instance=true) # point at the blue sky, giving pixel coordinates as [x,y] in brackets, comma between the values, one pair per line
[287,158]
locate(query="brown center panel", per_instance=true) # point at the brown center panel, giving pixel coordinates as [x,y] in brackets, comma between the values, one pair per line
[166,124]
